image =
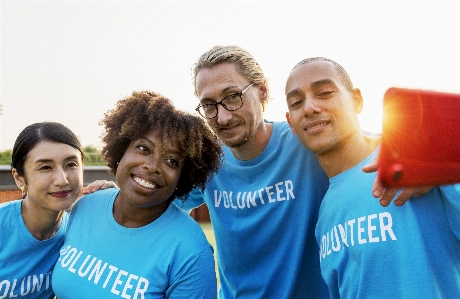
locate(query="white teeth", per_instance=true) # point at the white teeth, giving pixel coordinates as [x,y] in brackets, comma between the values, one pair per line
[314,127]
[144,183]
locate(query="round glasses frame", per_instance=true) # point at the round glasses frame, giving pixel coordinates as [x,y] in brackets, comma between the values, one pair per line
[205,109]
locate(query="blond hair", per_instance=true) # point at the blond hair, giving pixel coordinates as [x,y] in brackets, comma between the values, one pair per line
[245,63]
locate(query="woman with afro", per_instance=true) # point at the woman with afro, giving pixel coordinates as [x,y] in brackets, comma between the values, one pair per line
[131,241]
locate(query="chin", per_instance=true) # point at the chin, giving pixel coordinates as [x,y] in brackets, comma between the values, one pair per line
[315,147]
[235,143]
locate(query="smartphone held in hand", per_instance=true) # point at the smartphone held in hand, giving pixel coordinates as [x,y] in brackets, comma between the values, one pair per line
[420,138]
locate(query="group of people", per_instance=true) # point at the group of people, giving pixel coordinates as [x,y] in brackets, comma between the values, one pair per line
[127,242]
[294,214]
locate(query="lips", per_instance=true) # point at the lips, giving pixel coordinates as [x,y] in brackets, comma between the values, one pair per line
[60,194]
[315,126]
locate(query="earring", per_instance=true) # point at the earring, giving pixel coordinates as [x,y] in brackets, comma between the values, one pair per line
[23,190]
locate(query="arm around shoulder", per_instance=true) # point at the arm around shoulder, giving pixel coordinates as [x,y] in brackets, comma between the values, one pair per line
[193,200]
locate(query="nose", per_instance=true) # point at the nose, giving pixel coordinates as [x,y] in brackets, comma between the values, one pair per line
[311,107]
[152,163]
[223,115]
[61,177]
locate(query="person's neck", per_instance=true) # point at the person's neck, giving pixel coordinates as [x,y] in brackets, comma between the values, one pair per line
[130,216]
[256,145]
[347,155]
[41,223]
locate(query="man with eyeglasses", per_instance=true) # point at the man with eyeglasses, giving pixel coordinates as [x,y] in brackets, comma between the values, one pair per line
[231,102]
[264,200]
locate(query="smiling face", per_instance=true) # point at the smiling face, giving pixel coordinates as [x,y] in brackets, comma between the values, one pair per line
[234,128]
[53,176]
[322,111]
[149,171]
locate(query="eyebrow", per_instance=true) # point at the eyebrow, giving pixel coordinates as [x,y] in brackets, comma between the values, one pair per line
[313,84]
[153,144]
[292,92]
[321,82]
[51,160]
[223,91]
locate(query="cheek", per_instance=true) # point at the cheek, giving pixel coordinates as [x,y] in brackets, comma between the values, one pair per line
[126,162]
[295,122]
[120,171]
[173,175]
[77,177]
[38,183]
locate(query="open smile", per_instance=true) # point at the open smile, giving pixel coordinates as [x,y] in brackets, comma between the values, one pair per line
[315,126]
[144,183]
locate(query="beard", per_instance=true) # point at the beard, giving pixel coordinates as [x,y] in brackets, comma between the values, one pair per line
[240,141]
[233,141]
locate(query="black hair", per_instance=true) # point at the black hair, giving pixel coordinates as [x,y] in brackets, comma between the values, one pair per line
[34,134]
[341,72]
[143,111]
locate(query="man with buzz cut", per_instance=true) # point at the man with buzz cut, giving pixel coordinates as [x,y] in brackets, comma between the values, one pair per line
[367,250]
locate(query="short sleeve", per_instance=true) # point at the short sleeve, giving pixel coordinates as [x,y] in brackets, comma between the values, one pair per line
[451,198]
[193,200]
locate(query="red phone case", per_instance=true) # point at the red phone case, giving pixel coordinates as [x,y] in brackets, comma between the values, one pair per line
[420,138]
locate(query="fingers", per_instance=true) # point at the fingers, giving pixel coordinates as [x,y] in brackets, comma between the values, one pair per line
[419,191]
[372,167]
[387,195]
[98,185]
[109,184]
[401,198]
[390,194]
[407,193]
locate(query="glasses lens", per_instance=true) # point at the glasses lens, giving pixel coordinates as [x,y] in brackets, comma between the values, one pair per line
[208,111]
[232,102]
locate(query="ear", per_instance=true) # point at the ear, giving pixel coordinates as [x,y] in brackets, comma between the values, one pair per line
[263,92]
[20,181]
[358,98]
[288,119]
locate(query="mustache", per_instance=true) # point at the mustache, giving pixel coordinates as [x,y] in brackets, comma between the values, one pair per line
[227,125]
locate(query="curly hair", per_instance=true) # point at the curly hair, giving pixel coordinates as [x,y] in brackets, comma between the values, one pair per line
[144,111]
[243,60]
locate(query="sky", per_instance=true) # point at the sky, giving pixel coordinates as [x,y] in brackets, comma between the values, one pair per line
[71,61]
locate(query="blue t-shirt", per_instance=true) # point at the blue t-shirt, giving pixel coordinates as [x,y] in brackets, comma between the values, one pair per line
[168,258]
[370,251]
[26,264]
[264,212]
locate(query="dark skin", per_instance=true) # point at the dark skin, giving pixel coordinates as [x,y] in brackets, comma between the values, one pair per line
[146,110]
[148,174]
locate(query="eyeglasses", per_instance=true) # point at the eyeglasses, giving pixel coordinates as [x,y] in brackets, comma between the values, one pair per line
[230,103]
